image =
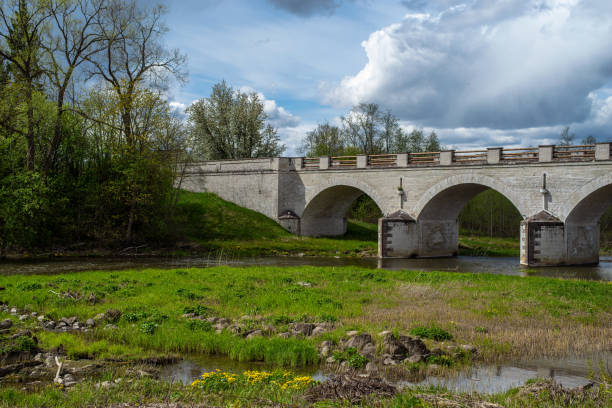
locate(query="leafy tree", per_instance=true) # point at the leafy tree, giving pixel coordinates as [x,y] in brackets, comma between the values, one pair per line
[391,132]
[231,124]
[324,140]
[362,128]
[21,24]
[432,144]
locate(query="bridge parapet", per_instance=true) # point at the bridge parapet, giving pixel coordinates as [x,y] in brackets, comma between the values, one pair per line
[490,156]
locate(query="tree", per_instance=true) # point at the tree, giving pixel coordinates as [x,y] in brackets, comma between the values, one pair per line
[432,144]
[416,141]
[324,140]
[74,41]
[391,131]
[21,25]
[589,140]
[231,124]
[133,54]
[566,138]
[362,128]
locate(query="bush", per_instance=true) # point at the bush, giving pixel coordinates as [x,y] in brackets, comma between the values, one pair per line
[352,357]
[434,333]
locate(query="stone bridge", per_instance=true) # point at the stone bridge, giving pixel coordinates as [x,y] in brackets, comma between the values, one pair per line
[560,191]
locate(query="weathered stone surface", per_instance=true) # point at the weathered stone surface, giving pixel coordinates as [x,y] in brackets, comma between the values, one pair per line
[369,350]
[352,333]
[304,329]
[254,333]
[317,331]
[414,346]
[6,324]
[318,197]
[284,335]
[359,341]
[90,322]
[112,315]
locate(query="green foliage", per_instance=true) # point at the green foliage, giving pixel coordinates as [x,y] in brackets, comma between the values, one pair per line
[490,214]
[231,124]
[199,310]
[433,332]
[442,360]
[352,357]
[199,325]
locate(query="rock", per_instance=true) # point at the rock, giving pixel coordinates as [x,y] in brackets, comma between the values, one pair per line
[394,347]
[13,310]
[255,333]
[317,330]
[371,368]
[23,317]
[50,361]
[269,329]
[324,351]
[352,333]
[61,324]
[245,317]
[50,325]
[90,322]
[414,346]
[384,333]
[304,329]
[469,348]
[416,358]
[389,361]
[142,373]
[359,341]
[38,357]
[41,318]
[33,314]
[220,326]
[330,360]
[326,343]
[223,321]
[69,380]
[235,328]
[6,324]
[112,315]
[369,350]
[188,315]
[104,385]
[99,317]
[110,326]
[306,284]
[70,320]
[212,319]
[284,335]
[76,326]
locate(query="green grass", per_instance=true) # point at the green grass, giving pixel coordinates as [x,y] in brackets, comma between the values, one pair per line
[487,246]
[512,309]
[220,227]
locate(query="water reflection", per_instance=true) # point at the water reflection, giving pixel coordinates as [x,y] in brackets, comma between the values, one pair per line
[496,265]
[569,372]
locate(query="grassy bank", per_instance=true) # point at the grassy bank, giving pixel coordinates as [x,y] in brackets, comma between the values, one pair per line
[214,225]
[503,316]
[155,394]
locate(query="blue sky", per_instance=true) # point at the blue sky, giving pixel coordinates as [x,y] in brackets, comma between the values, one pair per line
[480,72]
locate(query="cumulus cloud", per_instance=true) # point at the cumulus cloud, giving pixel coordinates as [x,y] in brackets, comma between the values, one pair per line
[278,116]
[307,8]
[504,65]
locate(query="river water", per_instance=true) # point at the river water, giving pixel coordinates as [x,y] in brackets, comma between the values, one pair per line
[570,372]
[471,264]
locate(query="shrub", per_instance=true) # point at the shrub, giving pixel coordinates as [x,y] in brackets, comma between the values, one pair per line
[352,357]
[440,360]
[434,333]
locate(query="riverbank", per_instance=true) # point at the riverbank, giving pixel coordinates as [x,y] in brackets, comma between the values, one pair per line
[290,317]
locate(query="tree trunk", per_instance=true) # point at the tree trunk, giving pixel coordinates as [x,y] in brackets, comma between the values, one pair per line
[57,131]
[30,131]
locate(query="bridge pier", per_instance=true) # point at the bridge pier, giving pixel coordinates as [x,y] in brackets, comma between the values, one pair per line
[400,236]
[548,241]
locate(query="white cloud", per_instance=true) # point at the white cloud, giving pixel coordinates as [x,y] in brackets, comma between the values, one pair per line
[506,65]
[278,116]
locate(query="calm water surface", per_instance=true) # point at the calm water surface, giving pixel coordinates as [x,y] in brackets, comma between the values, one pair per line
[496,265]
[569,372]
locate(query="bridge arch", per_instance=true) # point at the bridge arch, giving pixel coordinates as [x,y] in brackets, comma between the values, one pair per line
[324,214]
[448,197]
[582,229]
[438,210]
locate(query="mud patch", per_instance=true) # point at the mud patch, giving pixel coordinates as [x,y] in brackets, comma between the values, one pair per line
[350,388]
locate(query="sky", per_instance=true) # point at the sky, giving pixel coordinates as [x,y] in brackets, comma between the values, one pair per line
[481,73]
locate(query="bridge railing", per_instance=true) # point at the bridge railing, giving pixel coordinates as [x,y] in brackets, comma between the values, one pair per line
[573,153]
[495,155]
[523,154]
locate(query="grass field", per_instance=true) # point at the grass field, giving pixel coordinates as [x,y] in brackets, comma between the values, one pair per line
[503,316]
